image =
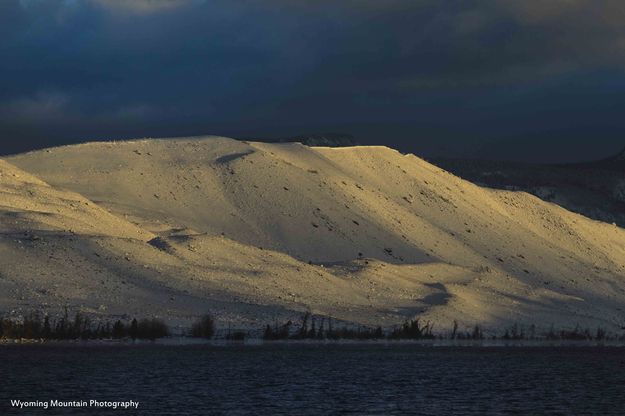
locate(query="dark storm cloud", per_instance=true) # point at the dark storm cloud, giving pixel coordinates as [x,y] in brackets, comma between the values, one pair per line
[453,77]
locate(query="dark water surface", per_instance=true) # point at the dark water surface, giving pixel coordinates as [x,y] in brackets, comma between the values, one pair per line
[381,379]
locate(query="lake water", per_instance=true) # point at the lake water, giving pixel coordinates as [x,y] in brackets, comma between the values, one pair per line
[299,379]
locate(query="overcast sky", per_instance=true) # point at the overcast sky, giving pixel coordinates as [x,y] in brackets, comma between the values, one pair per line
[529,80]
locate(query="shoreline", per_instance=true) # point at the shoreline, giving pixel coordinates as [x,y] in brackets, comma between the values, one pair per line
[254,342]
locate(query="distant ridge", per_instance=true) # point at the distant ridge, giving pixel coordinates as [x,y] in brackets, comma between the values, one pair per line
[595,189]
[620,156]
[318,139]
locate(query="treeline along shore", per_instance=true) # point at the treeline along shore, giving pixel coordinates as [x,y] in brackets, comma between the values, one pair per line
[43,327]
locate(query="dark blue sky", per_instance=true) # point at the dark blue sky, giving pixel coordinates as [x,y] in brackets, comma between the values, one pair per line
[530,80]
